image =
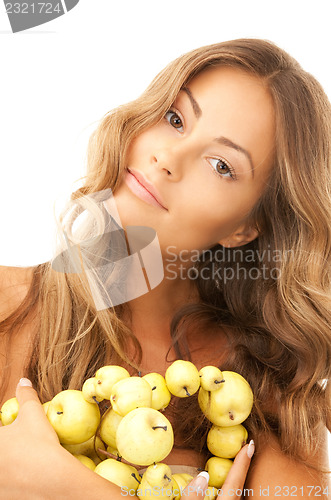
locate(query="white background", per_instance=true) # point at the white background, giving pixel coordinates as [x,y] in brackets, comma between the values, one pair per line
[59,79]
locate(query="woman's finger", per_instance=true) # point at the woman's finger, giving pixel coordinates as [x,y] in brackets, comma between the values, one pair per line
[235,480]
[31,412]
[197,487]
[27,396]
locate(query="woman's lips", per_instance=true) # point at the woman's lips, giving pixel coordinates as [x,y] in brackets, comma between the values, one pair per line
[143,189]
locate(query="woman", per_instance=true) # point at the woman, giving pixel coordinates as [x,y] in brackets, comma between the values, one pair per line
[233,140]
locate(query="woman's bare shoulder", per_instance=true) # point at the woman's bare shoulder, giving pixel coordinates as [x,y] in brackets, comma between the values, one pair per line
[14,285]
[272,473]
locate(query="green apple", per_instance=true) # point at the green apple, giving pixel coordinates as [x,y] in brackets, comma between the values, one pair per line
[9,411]
[211,493]
[230,404]
[181,481]
[158,474]
[157,482]
[106,377]
[144,436]
[85,461]
[109,423]
[218,469]
[176,489]
[210,378]
[89,448]
[73,418]
[89,391]
[161,395]
[225,442]
[45,406]
[130,393]
[182,378]
[124,475]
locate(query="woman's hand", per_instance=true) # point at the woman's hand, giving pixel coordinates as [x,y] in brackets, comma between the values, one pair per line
[234,483]
[27,445]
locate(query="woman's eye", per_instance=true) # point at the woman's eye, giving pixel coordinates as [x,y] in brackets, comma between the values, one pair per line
[222,168]
[174,120]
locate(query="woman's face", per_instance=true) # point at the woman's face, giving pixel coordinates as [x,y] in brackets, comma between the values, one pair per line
[206,162]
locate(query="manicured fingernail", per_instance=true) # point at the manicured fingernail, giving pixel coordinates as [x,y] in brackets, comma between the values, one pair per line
[201,481]
[251,449]
[25,382]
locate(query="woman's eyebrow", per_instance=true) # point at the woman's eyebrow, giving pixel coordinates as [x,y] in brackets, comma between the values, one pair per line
[221,140]
[196,108]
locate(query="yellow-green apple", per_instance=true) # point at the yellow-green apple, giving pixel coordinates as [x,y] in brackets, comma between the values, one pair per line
[160,393]
[156,482]
[109,423]
[181,481]
[182,378]
[230,404]
[210,378]
[9,411]
[89,390]
[225,442]
[144,436]
[72,417]
[85,461]
[158,474]
[124,475]
[176,489]
[89,448]
[45,406]
[130,393]
[106,377]
[218,468]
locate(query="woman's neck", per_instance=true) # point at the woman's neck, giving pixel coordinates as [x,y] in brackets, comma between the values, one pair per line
[156,308]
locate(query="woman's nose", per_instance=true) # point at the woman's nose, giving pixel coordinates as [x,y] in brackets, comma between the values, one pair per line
[171,161]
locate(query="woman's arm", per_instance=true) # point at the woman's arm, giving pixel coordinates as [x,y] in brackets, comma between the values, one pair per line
[274,475]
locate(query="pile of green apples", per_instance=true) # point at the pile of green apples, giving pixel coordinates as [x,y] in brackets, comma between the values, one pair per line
[134,432]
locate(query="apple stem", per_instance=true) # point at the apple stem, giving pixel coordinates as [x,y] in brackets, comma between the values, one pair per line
[187,393]
[117,457]
[160,427]
[95,399]
[59,412]
[133,475]
[166,477]
[153,388]
[139,373]
[109,454]
[219,381]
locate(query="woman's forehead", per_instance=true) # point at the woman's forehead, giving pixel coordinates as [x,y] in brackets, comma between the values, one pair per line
[236,105]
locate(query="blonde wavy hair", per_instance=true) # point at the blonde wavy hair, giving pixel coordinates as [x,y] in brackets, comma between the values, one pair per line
[278,329]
